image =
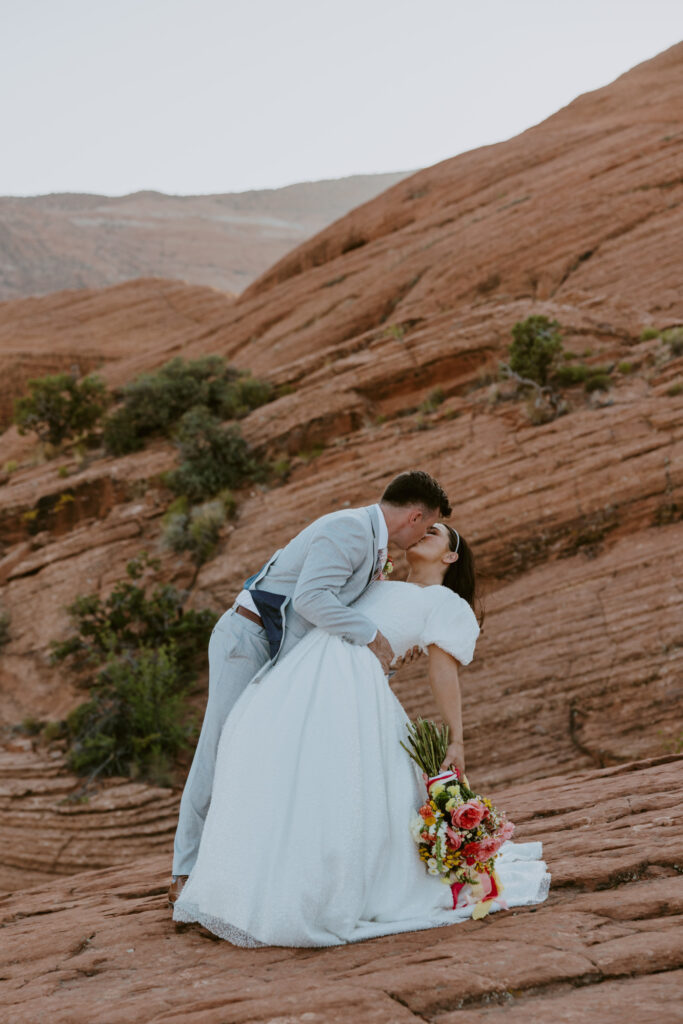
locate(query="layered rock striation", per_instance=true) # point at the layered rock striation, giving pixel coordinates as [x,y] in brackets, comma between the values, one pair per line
[101,948]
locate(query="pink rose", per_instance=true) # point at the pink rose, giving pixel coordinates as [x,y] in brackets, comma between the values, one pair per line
[453,839]
[468,815]
[489,847]
[506,831]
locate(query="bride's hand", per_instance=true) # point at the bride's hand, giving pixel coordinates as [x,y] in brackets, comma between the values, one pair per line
[455,755]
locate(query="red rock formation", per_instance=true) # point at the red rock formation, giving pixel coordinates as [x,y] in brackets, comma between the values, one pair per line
[576,524]
[90,330]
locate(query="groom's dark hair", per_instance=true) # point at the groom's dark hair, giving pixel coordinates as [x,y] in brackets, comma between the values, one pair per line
[417,488]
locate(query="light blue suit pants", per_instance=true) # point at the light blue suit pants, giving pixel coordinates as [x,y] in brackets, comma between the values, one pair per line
[238,648]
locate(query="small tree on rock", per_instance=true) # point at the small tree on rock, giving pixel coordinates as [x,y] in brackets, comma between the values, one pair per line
[60,406]
[535,349]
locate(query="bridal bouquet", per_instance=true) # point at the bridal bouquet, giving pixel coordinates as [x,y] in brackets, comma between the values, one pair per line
[458,832]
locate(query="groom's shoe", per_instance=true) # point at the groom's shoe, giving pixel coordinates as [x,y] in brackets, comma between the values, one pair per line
[175,888]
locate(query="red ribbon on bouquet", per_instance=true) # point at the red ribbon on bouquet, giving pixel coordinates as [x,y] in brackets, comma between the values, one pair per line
[441,777]
[492,894]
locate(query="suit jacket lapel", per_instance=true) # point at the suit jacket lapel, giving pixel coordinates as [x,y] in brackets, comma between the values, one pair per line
[374,522]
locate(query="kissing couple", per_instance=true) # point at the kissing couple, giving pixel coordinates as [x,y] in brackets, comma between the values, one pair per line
[294,824]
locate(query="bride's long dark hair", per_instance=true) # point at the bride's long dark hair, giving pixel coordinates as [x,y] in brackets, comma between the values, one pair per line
[460,577]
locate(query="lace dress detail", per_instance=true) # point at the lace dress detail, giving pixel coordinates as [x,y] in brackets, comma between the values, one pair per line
[307,839]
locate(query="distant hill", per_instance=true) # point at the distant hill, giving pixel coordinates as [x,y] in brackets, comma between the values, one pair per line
[54,242]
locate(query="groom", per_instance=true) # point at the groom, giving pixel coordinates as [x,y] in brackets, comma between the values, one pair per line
[312,581]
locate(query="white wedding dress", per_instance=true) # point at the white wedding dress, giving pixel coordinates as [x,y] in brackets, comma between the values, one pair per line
[307,841]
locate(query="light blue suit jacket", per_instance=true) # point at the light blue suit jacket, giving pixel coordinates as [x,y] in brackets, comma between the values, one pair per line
[313,580]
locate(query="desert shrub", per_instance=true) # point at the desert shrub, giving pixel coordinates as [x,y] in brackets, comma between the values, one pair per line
[154,402]
[135,722]
[570,374]
[593,378]
[673,337]
[309,454]
[432,401]
[599,381]
[281,468]
[31,726]
[212,457]
[196,528]
[250,393]
[536,348]
[625,367]
[60,406]
[5,621]
[134,616]
[648,333]
[144,650]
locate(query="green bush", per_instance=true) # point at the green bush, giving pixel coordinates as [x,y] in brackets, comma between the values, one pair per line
[135,722]
[536,348]
[432,401]
[648,333]
[60,406]
[593,378]
[599,381]
[5,621]
[212,457]
[154,402]
[145,650]
[131,618]
[569,375]
[673,337]
[196,528]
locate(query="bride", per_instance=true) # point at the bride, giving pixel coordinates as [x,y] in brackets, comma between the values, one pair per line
[307,841]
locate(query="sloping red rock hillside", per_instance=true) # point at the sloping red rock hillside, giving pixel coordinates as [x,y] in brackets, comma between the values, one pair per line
[577,528]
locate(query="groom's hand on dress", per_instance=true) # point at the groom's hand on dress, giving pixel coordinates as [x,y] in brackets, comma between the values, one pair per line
[411,655]
[381,648]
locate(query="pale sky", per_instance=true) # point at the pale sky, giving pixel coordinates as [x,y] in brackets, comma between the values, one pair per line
[197,96]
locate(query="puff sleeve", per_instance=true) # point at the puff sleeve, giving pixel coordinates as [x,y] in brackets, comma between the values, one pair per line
[450,624]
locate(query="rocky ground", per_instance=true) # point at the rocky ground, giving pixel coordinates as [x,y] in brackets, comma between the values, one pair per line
[99,947]
[384,336]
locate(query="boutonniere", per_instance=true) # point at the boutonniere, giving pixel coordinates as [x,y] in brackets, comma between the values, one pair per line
[387,569]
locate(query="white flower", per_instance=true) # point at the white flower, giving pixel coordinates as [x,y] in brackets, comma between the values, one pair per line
[431,866]
[417,828]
